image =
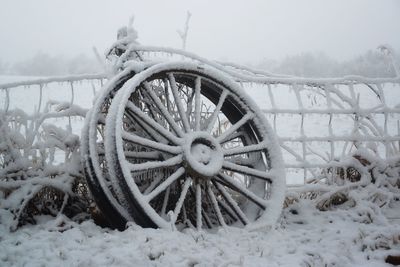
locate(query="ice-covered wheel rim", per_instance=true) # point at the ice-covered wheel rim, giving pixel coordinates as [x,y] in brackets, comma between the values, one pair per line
[92,152]
[200,154]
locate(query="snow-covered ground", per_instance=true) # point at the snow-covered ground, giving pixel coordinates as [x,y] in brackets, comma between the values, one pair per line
[304,237]
[354,233]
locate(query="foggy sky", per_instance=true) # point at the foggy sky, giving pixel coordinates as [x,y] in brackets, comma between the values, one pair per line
[243,31]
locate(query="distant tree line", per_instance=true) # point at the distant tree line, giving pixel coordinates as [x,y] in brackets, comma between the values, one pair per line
[43,64]
[3,67]
[310,64]
[318,64]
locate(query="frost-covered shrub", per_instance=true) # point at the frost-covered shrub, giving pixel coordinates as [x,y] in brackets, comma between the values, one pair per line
[352,168]
[40,171]
[365,164]
[372,185]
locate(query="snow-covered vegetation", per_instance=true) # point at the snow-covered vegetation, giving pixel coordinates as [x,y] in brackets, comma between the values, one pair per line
[339,138]
[356,224]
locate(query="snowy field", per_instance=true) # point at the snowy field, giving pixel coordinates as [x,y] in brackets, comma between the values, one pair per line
[361,231]
[304,237]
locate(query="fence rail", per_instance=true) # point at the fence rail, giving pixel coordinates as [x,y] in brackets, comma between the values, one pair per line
[317,121]
[326,122]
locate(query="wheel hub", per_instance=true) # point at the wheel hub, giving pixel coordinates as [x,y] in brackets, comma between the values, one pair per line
[202,154]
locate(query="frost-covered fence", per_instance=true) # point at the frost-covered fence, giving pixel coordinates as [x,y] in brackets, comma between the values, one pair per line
[318,121]
[40,124]
[58,101]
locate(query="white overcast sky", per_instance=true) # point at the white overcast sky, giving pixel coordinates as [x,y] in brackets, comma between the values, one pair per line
[243,31]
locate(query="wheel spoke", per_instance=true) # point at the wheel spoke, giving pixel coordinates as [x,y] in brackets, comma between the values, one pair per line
[150,132]
[206,219]
[152,111]
[189,107]
[185,217]
[101,119]
[150,144]
[238,134]
[267,176]
[172,178]
[153,124]
[149,165]
[100,148]
[234,127]
[232,203]
[244,149]
[231,183]
[198,206]
[153,155]
[166,94]
[165,201]
[227,209]
[174,89]
[213,118]
[248,162]
[163,110]
[181,199]
[202,209]
[153,184]
[215,206]
[197,107]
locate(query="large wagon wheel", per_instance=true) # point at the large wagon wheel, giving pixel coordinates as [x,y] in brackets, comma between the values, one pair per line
[92,151]
[205,156]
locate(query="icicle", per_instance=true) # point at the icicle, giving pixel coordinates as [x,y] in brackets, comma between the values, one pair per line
[72,93]
[352,94]
[303,145]
[398,132]
[271,97]
[331,137]
[40,98]
[7,102]
[70,105]
[298,97]
[93,90]
[381,93]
